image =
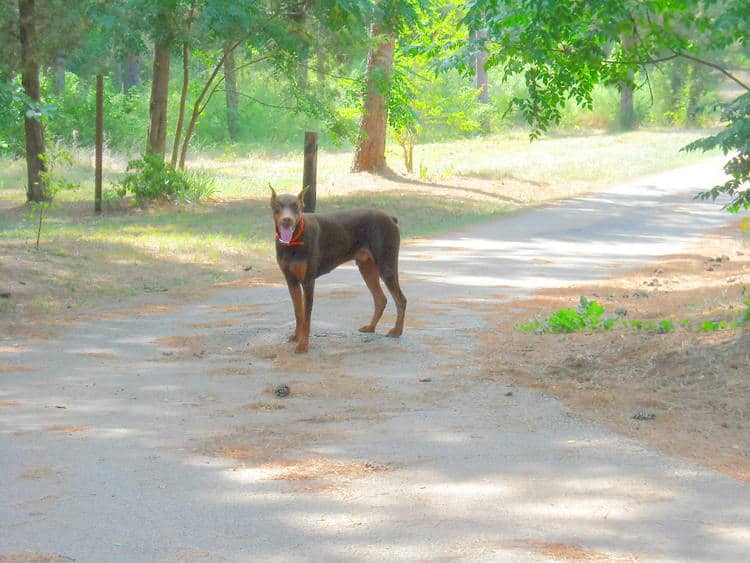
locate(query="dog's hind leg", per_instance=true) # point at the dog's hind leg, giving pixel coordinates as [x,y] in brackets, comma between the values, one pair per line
[371,275]
[390,277]
[386,258]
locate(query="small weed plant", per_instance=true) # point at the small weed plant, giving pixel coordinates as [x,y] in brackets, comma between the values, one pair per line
[53,182]
[149,178]
[589,315]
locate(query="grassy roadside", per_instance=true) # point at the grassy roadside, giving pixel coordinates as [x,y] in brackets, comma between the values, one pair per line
[86,260]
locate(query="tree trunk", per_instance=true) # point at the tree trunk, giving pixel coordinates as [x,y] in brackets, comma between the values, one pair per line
[676,83]
[117,81]
[99,150]
[131,78]
[233,99]
[183,100]
[627,109]
[369,154]
[627,119]
[34,130]
[321,56]
[696,88]
[185,84]
[157,127]
[310,172]
[59,73]
[481,72]
[199,105]
[304,71]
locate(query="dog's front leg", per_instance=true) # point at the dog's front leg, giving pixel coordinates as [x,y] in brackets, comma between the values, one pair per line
[295,290]
[304,338]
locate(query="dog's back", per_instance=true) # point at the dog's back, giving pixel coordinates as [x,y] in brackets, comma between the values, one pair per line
[338,236]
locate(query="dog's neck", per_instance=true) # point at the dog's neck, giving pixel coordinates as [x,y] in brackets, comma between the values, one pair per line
[298,231]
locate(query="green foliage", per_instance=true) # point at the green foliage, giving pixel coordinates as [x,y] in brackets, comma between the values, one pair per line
[685,94]
[278,117]
[665,326]
[54,182]
[713,326]
[401,115]
[150,178]
[564,50]
[12,103]
[69,116]
[14,106]
[589,316]
[444,103]
[679,94]
[543,55]
[661,327]
[745,319]
[735,139]
[125,115]
[448,107]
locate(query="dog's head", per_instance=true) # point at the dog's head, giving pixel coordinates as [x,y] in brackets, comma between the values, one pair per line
[287,211]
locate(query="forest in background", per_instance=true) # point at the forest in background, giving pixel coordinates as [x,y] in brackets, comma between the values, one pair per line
[228,75]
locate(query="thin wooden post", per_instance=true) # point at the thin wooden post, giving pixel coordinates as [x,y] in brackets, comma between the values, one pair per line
[310,172]
[481,72]
[99,143]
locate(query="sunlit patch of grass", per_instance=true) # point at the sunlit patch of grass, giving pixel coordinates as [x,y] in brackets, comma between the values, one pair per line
[587,159]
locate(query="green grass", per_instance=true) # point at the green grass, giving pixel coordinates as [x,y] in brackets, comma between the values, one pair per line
[130,252]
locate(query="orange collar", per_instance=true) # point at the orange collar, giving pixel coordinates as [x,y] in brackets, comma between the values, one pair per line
[298,234]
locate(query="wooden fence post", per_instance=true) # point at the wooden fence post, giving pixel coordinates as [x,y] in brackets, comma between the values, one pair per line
[99,143]
[310,172]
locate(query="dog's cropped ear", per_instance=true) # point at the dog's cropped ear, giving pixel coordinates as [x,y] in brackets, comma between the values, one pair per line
[301,197]
[273,194]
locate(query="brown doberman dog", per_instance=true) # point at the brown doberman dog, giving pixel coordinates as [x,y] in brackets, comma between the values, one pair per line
[309,245]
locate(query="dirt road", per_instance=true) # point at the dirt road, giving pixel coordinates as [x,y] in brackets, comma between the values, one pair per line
[153,433]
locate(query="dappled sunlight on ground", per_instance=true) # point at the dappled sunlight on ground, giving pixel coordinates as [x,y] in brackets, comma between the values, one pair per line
[164,429]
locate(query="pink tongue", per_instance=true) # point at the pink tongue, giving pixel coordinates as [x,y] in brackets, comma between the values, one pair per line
[285,234]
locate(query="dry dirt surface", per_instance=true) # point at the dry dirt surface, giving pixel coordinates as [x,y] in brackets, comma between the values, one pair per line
[160,436]
[692,386]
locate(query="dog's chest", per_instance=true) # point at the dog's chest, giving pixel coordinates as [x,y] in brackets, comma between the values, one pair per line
[293,262]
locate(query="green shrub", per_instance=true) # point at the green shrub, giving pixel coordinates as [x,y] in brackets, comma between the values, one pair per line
[150,178]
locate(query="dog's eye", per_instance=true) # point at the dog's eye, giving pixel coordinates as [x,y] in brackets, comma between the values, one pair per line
[277,209]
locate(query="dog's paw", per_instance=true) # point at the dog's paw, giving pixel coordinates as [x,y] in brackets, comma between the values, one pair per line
[367,328]
[393,333]
[293,337]
[301,347]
